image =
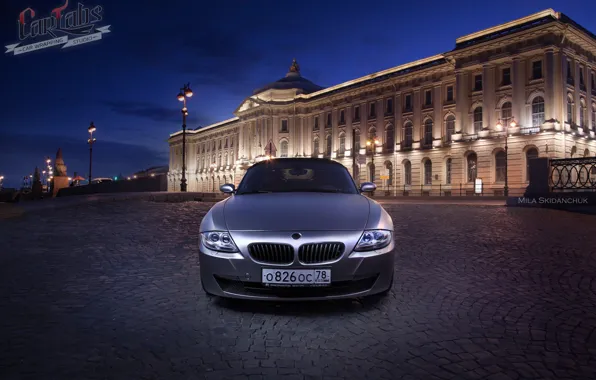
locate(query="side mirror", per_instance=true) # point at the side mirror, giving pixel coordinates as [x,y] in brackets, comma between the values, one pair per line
[367,187]
[228,188]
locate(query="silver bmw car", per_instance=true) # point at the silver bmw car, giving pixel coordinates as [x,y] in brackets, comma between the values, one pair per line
[296,229]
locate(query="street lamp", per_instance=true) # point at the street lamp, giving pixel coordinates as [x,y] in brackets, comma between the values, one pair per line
[185,92]
[500,126]
[1,181]
[373,142]
[90,141]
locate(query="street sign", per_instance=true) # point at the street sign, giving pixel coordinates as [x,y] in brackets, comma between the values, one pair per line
[361,159]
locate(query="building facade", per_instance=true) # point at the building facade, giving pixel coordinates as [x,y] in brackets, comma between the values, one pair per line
[428,127]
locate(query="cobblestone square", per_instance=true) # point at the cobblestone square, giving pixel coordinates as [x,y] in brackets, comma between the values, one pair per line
[112,291]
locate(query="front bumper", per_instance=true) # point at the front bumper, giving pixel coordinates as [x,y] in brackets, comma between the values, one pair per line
[240,277]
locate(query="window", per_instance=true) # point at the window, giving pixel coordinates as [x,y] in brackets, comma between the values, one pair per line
[342,117]
[582,83]
[478,83]
[506,77]
[315,148]
[373,110]
[477,119]
[506,113]
[408,129]
[408,103]
[328,125]
[226,162]
[408,173]
[500,166]
[284,126]
[227,142]
[594,117]
[328,145]
[356,113]
[342,144]
[472,160]
[537,112]
[219,144]
[389,138]
[213,159]
[449,93]
[284,148]
[213,146]
[389,168]
[448,171]
[449,127]
[371,172]
[389,107]
[203,149]
[428,98]
[316,125]
[357,141]
[297,175]
[569,73]
[530,154]
[593,83]
[537,70]
[428,132]
[219,160]
[569,109]
[428,172]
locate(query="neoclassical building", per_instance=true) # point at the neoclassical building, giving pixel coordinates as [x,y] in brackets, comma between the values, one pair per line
[428,127]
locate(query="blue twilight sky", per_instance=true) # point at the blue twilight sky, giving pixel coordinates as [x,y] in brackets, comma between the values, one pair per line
[127,82]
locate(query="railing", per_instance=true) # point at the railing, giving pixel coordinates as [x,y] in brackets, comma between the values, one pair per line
[572,174]
[444,190]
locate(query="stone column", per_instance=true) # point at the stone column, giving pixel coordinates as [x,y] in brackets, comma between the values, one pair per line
[462,101]
[550,86]
[488,96]
[438,111]
[576,96]
[518,74]
[397,108]
[417,106]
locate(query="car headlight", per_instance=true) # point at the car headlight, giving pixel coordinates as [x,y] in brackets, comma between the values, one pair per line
[373,239]
[218,241]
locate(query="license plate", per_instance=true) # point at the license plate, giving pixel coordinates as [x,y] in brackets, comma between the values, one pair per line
[300,277]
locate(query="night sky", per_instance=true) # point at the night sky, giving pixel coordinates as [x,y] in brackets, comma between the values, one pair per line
[127,82]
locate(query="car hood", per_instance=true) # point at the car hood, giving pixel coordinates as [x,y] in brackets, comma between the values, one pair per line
[296,211]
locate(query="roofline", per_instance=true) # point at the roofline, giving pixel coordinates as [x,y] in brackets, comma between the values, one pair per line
[297,159]
[195,131]
[536,16]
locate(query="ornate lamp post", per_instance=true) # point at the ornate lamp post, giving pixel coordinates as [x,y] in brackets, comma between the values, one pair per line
[373,143]
[185,92]
[90,141]
[500,126]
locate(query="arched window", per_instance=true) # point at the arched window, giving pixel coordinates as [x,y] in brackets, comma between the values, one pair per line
[506,113]
[570,109]
[408,132]
[342,144]
[315,148]
[586,153]
[389,168]
[428,172]
[448,164]
[219,160]
[582,113]
[408,173]
[477,119]
[371,172]
[428,132]
[226,162]
[500,166]
[284,148]
[213,159]
[537,112]
[530,155]
[328,146]
[389,138]
[449,127]
[472,161]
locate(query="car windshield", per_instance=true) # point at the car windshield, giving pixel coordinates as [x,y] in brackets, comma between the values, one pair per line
[297,175]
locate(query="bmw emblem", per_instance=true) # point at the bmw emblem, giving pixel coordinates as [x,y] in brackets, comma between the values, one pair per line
[296,236]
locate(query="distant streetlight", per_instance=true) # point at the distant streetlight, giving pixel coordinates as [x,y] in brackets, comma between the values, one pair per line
[500,126]
[185,92]
[373,142]
[1,181]
[90,141]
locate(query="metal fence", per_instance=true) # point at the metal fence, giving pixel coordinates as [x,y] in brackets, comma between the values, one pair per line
[453,190]
[573,174]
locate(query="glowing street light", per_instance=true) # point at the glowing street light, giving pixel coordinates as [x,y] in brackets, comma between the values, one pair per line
[90,141]
[185,92]
[500,126]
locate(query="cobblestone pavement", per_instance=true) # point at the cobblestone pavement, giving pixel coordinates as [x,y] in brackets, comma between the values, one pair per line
[111,291]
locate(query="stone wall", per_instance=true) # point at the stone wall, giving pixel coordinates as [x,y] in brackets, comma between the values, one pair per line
[157,183]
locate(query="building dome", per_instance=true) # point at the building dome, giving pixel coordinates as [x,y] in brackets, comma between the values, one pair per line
[292,81]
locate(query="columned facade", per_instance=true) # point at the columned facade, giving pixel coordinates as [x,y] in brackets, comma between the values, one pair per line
[439,122]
